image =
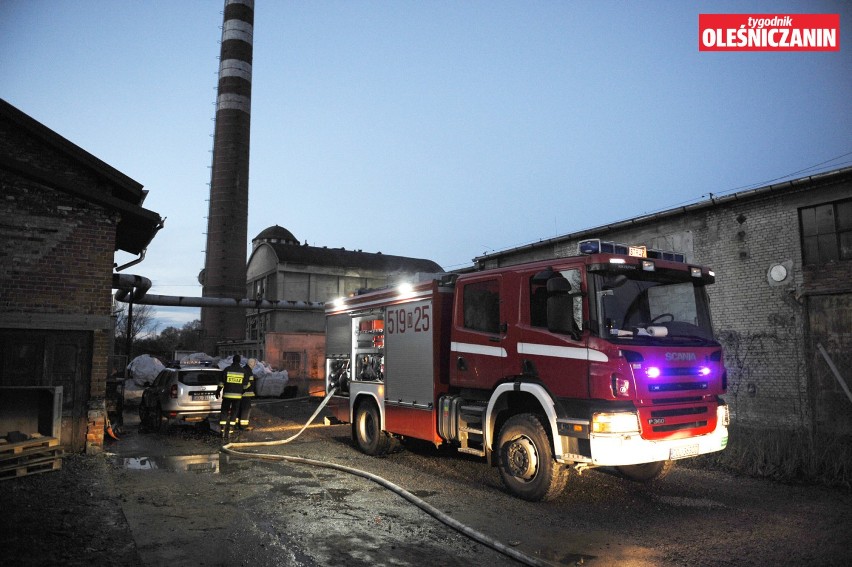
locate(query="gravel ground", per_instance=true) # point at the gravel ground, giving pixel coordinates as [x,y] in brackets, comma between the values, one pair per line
[173,498]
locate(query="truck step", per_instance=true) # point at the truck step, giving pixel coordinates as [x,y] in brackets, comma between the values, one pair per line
[474,409]
[470,430]
[471,451]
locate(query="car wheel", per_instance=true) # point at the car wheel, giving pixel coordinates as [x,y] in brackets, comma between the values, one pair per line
[144,418]
[161,422]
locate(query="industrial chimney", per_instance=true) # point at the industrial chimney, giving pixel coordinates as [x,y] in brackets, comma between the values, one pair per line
[224,273]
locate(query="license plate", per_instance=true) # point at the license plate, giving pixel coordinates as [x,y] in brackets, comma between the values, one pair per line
[201,396]
[683,452]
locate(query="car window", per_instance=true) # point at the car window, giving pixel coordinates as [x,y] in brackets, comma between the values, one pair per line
[199,378]
[161,378]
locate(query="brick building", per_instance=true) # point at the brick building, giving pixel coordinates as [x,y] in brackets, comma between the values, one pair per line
[63,215]
[783,261]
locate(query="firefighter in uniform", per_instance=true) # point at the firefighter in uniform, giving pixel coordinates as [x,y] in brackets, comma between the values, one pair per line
[248,396]
[232,392]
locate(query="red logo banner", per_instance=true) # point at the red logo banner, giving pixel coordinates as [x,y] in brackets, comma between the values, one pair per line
[769,32]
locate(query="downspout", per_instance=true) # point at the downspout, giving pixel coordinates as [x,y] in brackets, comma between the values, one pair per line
[141,257]
[132,262]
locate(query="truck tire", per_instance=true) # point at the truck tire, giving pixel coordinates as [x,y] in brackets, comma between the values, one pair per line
[367,430]
[526,462]
[646,472]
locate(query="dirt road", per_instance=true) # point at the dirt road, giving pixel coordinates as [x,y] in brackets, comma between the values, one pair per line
[174,498]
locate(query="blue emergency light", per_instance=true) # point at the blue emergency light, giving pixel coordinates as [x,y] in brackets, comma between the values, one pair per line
[598,246]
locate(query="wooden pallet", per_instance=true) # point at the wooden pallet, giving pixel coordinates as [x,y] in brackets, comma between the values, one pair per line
[30,457]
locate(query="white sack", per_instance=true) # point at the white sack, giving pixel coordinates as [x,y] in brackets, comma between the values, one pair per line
[144,368]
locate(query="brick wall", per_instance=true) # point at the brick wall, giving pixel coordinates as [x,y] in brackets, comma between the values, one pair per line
[58,251]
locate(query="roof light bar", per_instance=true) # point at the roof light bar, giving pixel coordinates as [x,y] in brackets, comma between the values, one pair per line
[598,246]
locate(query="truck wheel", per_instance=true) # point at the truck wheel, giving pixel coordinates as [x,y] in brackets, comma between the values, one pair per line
[647,472]
[526,460]
[367,430]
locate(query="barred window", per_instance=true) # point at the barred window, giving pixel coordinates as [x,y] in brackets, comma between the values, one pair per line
[826,232]
[291,362]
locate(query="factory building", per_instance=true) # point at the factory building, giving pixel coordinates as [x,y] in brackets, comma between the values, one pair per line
[280,268]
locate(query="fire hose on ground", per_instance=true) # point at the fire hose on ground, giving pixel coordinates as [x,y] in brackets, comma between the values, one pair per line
[423,505]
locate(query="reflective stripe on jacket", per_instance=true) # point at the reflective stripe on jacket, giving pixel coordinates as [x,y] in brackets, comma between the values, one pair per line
[248,389]
[233,387]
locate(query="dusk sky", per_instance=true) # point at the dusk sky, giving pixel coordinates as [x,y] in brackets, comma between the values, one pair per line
[431,129]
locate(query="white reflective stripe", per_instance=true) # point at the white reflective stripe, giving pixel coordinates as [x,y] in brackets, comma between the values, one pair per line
[230,101]
[478,349]
[562,352]
[235,68]
[237,29]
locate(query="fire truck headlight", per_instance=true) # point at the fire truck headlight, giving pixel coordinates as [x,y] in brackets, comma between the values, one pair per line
[621,422]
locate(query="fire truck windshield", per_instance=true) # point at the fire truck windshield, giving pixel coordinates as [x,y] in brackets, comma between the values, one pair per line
[651,307]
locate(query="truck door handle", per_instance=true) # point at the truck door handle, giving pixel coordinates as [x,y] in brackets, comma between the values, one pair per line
[495,339]
[461,364]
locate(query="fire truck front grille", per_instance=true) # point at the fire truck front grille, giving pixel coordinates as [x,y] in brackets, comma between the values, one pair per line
[681,371]
[679,426]
[677,386]
[677,422]
[679,411]
[668,401]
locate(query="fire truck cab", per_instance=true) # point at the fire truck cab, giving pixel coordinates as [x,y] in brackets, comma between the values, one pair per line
[606,358]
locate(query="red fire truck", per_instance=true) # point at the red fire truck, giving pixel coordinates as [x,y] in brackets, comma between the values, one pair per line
[603,359]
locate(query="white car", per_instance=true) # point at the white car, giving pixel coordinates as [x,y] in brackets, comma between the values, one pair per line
[186,394]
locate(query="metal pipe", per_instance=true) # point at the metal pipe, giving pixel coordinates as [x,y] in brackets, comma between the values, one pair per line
[128,285]
[181,301]
[134,289]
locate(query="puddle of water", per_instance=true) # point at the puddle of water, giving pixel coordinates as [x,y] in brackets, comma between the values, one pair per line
[297,489]
[198,464]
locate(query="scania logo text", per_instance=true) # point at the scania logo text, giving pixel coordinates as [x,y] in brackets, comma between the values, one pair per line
[682,356]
